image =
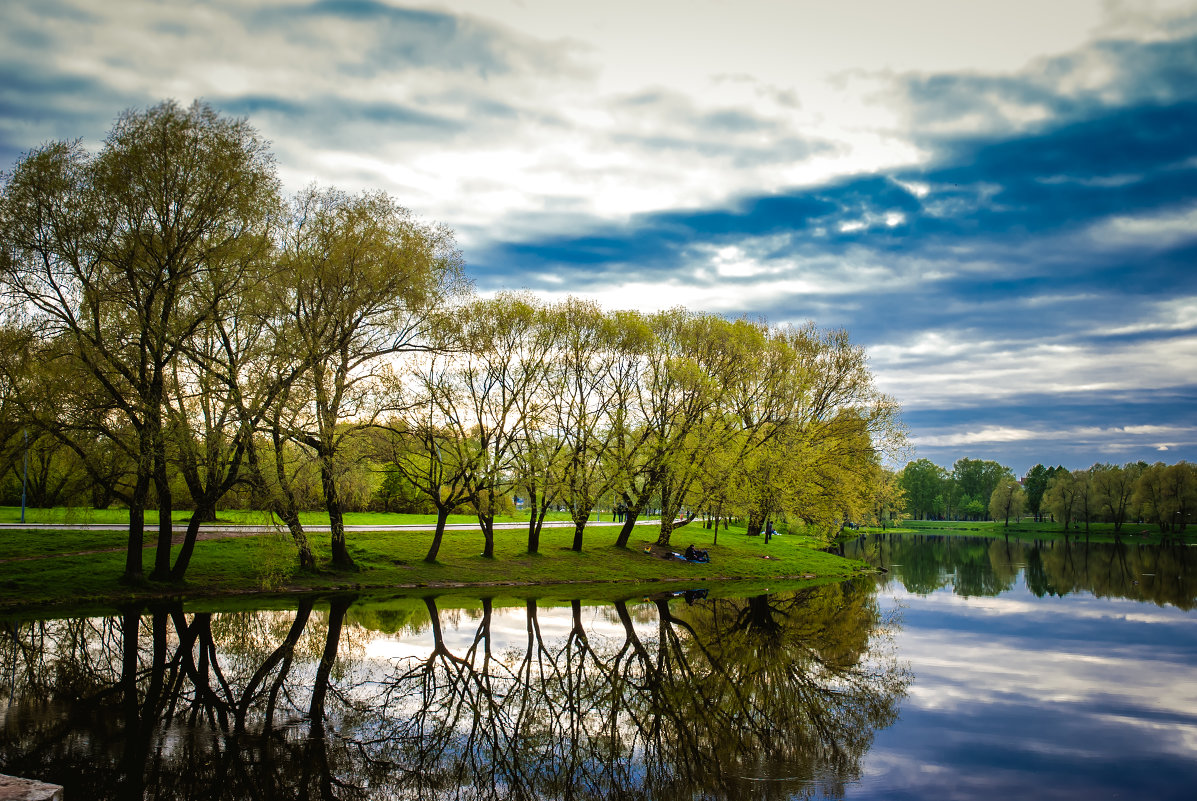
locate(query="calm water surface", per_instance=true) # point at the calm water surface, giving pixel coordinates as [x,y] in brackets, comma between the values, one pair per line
[1057,671]
[971,669]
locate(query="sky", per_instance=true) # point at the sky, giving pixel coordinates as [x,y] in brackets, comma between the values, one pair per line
[998,200]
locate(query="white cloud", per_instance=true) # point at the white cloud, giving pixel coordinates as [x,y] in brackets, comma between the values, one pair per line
[947,368]
[1176,314]
[1158,231]
[537,90]
[1111,438]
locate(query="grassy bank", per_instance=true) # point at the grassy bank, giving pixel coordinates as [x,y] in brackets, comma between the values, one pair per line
[1030,530]
[83,567]
[69,515]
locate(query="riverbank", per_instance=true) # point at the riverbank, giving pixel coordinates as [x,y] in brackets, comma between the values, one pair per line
[68,567]
[1142,533]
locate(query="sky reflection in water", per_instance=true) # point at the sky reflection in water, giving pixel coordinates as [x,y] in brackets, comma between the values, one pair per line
[1017,695]
[990,685]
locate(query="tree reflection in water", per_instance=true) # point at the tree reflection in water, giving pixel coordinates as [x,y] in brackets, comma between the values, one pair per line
[977,566]
[765,697]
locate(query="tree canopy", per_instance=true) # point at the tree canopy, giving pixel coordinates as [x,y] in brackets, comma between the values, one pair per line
[180,333]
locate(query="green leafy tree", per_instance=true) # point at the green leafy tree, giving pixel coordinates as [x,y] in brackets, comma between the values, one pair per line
[108,253]
[977,479]
[922,482]
[1061,497]
[1181,481]
[1114,489]
[1007,500]
[364,281]
[1035,486]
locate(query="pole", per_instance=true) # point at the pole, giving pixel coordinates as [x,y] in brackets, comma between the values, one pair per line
[25,475]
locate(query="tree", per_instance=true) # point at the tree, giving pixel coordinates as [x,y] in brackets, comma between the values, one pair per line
[1181,483]
[221,390]
[888,498]
[1007,499]
[1168,494]
[436,456]
[502,360]
[1035,485]
[1114,489]
[976,479]
[538,452]
[1061,497]
[106,253]
[583,385]
[1087,504]
[922,481]
[365,280]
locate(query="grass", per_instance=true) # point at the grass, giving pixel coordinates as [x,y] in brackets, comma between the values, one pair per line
[65,515]
[394,560]
[1028,529]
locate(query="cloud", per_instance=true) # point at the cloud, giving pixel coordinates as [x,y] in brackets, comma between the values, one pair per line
[1001,226]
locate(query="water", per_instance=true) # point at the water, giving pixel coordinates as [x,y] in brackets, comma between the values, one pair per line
[972,669]
[1050,671]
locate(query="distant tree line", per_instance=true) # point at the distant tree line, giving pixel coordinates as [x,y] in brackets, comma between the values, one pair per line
[1136,492]
[177,333]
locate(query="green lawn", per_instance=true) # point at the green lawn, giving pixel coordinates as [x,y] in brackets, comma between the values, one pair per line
[82,516]
[395,560]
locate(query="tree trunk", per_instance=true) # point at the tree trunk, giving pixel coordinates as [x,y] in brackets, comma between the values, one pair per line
[442,515]
[133,566]
[629,523]
[283,506]
[207,514]
[579,527]
[336,518]
[756,522]
[634,510]
[184,559]
[487,522]
[165,509]
[533,523]
[666,530]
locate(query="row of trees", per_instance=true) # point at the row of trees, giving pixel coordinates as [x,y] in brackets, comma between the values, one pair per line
[180,330]
[566,404]
[1165,495]
[933,493]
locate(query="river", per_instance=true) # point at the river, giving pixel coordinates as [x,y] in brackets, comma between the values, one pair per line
[971,669]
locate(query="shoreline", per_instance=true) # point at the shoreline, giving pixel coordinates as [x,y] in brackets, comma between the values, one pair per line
[36,574]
